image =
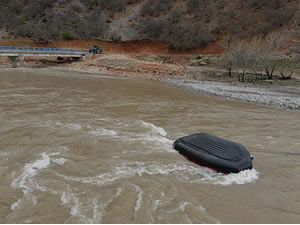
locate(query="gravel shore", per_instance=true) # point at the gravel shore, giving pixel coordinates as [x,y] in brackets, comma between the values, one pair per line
[284,97]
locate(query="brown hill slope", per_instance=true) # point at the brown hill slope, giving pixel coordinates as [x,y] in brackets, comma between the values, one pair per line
[126,47]
[183,24]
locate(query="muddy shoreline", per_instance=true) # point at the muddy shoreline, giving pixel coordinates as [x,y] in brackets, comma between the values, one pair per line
[126,66]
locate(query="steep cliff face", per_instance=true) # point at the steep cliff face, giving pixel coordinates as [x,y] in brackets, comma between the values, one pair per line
[184,24]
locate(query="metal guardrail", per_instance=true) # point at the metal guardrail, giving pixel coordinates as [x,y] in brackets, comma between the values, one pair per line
[19,49]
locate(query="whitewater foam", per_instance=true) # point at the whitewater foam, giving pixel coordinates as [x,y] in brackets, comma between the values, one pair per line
[80,209]
[3,155]
[70,200]
[26,180]
[182,171]
[139,199]
[147,133]
[153,136]
[70,126]
[243,177]
[186,208]
[59,161]
[29,171]
[15,205]
[158,142]
[102,132]
[154,129]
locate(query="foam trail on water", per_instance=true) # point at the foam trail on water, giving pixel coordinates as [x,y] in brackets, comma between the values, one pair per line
[68,199]
[187,208]
[182,171]
[3,155]
[155,136]
[148,134]
[80,209]
[15,205]
[98,211]
[71,126]
[59,161]
[246,176]
[26,180]
[102,132]
[154,129]
[182,206]
[139,199]
[29,171]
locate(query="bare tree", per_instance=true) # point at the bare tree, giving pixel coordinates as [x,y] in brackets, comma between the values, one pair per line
[245,58]
[286,68]
[286,72]
[275,41]
[257,56]
[227,60]
[241,56]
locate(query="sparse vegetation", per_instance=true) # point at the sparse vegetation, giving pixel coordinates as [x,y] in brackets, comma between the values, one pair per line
[183,24]
[259,58]
[67,35]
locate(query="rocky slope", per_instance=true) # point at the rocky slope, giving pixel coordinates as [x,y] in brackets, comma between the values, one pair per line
[183,24]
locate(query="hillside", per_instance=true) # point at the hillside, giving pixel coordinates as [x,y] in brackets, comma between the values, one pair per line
[182,24]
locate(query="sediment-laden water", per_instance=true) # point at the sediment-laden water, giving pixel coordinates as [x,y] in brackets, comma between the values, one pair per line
[84,149]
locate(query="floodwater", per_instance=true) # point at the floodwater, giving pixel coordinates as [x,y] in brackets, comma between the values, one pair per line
[81,149]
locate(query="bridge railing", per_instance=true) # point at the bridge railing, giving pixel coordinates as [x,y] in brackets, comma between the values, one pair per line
[20,49]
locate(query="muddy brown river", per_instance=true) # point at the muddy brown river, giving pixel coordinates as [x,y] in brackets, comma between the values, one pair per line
[83,149]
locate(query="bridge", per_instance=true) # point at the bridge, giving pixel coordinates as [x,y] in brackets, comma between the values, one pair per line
[17,53]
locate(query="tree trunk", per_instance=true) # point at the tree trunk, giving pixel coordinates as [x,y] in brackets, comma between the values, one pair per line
[270,73]
[243,76]
[286,77]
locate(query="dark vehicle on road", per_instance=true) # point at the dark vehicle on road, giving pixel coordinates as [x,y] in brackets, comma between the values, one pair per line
[96,50]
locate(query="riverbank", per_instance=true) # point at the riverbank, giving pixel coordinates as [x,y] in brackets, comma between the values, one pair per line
[284,97]
[179,70]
